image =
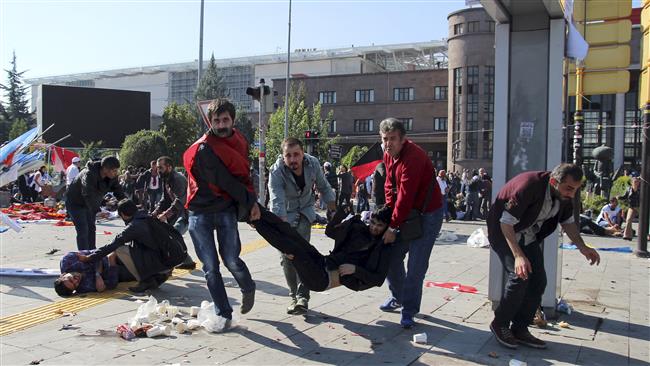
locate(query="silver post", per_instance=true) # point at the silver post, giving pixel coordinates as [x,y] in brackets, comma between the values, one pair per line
[262,156]
[200,69]
[286,92]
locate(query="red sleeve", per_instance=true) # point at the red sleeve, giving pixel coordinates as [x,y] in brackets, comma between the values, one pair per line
[409,174]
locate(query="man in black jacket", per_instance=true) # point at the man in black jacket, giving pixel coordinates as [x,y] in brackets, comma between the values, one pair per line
[358,261]
[136,248]
[85,196]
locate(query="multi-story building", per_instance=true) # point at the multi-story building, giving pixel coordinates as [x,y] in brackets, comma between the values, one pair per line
[471,89]
[359,102]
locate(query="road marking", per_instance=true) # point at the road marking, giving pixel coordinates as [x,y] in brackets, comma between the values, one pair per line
[42,314]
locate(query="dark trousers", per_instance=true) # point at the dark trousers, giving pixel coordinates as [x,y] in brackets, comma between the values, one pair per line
[520,298]
[344,199]
[84,224]
[308,262]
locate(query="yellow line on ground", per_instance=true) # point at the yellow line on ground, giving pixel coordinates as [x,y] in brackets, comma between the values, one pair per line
[17,322]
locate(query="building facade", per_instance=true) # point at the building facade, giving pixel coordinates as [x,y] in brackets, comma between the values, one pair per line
[471,90]
[359,102]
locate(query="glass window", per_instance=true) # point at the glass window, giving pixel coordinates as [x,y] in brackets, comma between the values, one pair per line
[363,125]
[440,123]
[471,119]
[440,93]
[402,94]
[408,123]
[332,127]
[490,24]
[458,28]
[364,96]
[327,97]
[473,27]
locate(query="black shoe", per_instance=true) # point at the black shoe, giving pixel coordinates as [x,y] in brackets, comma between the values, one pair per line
[504,336]
[524,337]
[301,307]
[247,302]
[148,284]
[191,265]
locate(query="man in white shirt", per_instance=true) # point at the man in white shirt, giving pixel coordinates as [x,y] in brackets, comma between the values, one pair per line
[610,215]
[444,189]
[72,171]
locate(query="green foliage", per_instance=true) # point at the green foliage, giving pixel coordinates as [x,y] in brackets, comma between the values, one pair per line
[212,85]
[90,151]
[18,128]
[594,203]
[353,155]
[245,125]
[180,129]
[301,117]
[621,184]
[16,96]
[140,148]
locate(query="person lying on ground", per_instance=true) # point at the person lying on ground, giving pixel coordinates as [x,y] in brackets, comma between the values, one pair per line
[358,261]
[78,277]
[145,258]
[587,226]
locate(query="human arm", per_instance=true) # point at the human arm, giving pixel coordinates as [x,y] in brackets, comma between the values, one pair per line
[89,190]
[522,264]
[332,229]
[277,197]
[572,231]
[370,277]
[130,233]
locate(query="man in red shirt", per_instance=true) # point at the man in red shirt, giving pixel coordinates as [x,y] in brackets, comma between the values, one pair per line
[410,185]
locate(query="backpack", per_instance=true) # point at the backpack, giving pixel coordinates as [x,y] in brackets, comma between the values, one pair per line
[173,250]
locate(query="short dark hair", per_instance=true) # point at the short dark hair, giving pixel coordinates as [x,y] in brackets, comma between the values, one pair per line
[219,106]
[166,160]
[127,207]
[382,214]
[392,124]
[110,162]
[61,289]
[290,141]
[564,170]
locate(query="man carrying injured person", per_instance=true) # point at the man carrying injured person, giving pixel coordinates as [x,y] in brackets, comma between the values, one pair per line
[358,261]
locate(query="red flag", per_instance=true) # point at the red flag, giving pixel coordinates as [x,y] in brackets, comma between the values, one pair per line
[367,163]
[61,158]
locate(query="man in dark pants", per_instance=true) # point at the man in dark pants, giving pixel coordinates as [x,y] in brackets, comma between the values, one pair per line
[220,193]
[171,207]
[527,209]
[346,186]
[85,195]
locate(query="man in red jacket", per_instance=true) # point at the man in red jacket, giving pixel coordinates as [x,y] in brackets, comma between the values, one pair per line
[410,185]
[527,209]
[220,193]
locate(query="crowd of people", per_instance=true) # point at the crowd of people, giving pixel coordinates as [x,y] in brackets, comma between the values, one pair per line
[410,202]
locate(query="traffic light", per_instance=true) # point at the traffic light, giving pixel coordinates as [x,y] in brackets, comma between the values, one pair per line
[311,135]
[256,93]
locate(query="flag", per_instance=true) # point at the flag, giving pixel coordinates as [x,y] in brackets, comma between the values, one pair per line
[61,158]
[368,162]
[15,146]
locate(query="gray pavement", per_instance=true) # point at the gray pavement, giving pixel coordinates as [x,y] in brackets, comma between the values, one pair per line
[610,324]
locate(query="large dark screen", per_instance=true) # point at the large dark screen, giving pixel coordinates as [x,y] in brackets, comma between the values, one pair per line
[92,114]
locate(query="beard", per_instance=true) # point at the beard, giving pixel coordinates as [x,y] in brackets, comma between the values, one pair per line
[222,132]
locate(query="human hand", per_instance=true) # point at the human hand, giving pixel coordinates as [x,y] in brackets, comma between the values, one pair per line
[347,269]
[102,215]
[331,206]
[162,217]
[255,213]
[591,254]
[522,267]
[99,283]
[389,236]
[83,258]
[289,256]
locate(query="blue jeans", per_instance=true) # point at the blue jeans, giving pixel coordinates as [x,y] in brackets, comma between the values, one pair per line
[202,227]
[84,224]
[445,210]
[406,286]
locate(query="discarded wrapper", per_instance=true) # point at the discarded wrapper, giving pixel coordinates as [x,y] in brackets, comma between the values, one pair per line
[205,304]
[193,324]
[181,328]
[420,338]
[563,324]
[194,310]
[154,331]
[515,362]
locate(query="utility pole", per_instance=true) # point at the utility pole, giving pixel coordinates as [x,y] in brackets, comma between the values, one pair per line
[200,69]
[262,94]
[286,89]
[578,125]
[644,101]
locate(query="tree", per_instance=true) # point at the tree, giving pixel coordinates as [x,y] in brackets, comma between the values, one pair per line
[179,129]
[90,151]
[212,84]
[301,118]
[16,96]
[353,155]
[18,128]
[140,148]
[245,125]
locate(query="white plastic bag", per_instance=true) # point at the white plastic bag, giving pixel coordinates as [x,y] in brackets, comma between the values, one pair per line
[447,236]
[209,319]
[478,239]
[146,313]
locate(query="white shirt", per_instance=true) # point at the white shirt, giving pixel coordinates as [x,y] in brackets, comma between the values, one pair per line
[612,213]
[70,174]
[443,184]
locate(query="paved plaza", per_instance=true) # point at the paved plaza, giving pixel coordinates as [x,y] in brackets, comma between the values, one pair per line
[609,325]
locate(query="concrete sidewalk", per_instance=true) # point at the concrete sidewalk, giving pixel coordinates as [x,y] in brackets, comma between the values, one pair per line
[610,324]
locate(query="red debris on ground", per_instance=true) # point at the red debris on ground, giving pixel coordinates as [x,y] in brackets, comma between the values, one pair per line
[452,286]
[32,212]
[63,223]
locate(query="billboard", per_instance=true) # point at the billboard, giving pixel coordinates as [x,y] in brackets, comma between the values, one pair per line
[91,114]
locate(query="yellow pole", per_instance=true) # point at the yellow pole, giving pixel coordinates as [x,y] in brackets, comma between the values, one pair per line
[578,118]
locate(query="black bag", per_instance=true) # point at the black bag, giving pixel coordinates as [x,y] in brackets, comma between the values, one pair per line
[173,250]
[411,228]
